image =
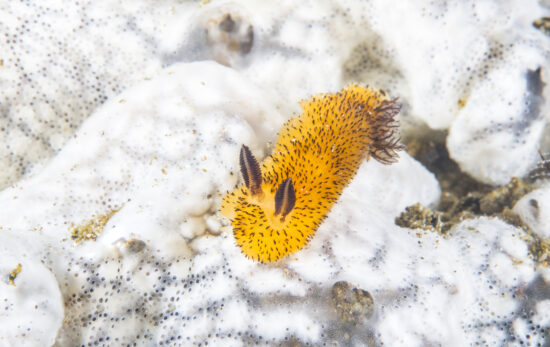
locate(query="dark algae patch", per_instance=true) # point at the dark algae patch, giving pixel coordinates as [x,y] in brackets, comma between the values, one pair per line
[462,197]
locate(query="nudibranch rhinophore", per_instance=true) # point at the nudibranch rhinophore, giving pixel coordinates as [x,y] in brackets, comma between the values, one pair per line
[283,202]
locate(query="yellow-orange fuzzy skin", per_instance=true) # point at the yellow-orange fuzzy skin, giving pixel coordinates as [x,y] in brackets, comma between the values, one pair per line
[321,151]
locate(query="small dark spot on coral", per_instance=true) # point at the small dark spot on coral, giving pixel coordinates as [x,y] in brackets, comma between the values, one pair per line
[535,205]
[227,24]
[420,217]
[543,24]
[352,305]
[246,45]
[135,246]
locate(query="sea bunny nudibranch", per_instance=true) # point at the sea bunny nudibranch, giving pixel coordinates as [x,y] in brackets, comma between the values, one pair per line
[283,202]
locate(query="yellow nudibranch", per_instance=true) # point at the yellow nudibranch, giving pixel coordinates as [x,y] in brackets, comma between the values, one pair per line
[281,204]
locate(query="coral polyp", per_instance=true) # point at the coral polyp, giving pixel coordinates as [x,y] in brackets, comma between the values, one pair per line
[283,201]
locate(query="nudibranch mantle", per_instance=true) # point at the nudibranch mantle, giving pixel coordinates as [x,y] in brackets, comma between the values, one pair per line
[285,199]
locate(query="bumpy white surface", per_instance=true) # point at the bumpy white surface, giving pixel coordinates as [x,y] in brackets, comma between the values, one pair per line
[444,54]
[502,124]
[534,210]
[163,150]
[32,308]
[61,59]
[166,149]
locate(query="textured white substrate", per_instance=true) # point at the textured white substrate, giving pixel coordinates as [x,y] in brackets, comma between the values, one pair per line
[467,66]
[534,209]
[164,151]
[32,310]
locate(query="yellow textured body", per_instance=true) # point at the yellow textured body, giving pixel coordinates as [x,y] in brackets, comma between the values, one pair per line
[321,151]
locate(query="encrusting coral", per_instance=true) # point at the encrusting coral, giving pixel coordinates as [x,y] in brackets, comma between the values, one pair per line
[282,204]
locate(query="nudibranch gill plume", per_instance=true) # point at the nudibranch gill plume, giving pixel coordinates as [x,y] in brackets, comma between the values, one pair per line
[282,202]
